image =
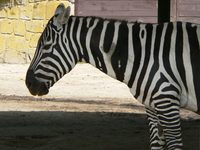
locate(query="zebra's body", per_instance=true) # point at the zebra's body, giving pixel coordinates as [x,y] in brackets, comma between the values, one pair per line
[159,63]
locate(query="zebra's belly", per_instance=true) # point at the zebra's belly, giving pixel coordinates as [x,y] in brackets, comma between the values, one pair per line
[187,101]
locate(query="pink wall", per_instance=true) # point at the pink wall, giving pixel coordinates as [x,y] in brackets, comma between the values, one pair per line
[142,10]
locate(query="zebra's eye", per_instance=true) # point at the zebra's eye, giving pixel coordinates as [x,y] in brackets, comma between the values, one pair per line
[46,46]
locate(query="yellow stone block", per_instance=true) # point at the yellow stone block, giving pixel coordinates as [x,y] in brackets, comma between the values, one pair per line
[34,40]
[45,23]
[2,42]
[13,13]
[19,28]
[2,56]
[3,13]
[6,26]
[10,56]
[15,49]
[35,26]
[13,56]
[26,12]
[17,43]
[11,43]
[24,44]
[39,10]
[28,35]
[31,1]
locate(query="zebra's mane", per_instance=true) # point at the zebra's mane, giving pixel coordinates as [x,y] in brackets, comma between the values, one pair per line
[127,21]
[109,19]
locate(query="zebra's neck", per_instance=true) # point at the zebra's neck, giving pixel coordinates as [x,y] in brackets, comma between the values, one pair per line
[107,44]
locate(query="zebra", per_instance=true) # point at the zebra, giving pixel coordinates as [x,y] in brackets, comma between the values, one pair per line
[158,62]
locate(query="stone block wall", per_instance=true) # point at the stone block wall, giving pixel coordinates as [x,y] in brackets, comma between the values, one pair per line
[21,24]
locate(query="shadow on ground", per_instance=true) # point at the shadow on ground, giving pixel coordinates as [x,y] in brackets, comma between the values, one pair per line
[82,131]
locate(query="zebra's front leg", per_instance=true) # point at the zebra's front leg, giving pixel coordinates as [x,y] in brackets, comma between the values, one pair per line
[157,139]
[168,113]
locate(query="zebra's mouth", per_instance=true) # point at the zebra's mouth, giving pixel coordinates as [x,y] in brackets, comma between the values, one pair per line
[35,87]
[40,89]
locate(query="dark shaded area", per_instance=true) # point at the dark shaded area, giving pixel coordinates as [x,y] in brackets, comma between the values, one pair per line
[163,11]
[82,131]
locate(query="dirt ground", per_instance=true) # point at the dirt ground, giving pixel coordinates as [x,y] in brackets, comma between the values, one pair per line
[86,110]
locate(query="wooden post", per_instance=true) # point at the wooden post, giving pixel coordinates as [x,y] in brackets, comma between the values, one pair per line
[163,11]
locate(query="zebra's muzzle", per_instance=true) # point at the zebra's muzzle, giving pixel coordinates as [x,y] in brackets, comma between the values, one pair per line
[35,87]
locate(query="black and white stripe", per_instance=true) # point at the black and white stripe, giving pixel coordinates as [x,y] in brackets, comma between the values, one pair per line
[158,62]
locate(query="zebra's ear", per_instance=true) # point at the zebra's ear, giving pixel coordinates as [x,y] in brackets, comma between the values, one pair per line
[62,14]
[66,15]
[60,9]
[63,17]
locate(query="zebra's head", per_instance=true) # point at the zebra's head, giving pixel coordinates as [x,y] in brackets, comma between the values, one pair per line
[53,58]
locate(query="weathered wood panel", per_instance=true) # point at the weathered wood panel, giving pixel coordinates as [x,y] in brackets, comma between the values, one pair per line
[188,10]
[126,9]
[142,10]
